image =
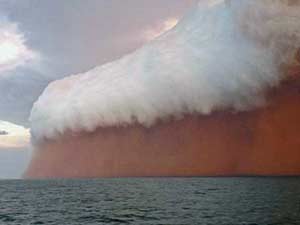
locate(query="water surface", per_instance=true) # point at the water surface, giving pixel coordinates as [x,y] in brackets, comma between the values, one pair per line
[215,201]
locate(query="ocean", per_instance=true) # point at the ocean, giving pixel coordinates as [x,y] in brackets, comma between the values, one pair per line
[170,201]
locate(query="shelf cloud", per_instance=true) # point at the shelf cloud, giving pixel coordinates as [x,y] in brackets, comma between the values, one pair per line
[222,55]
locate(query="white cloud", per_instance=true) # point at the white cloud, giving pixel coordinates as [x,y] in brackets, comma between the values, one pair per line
[16,137]
[13,49]
[207,62]
[71,37]
[159,29]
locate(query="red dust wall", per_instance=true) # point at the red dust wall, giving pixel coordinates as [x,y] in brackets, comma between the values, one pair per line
[261,142]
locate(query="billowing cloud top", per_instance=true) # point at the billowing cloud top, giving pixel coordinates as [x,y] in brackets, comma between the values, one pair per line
[223,54]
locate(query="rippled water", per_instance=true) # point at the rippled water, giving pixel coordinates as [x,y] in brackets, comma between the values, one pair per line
[214,201]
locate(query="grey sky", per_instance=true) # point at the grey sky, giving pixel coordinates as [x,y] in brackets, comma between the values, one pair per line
[13,163]
[3,132]
[70,37]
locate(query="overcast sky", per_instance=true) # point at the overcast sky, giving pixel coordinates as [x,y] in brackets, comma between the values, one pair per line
[46,40]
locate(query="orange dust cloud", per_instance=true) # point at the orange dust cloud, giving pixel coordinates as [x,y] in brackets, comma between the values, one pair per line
[265,141]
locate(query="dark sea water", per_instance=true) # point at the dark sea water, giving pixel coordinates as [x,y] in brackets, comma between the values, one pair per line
[215,201]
